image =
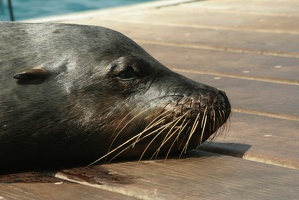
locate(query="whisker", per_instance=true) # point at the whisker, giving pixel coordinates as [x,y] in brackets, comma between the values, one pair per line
[126,125]
[194,126]
[168,129]
[214,120]
[174,122]
[181,130]
[166,138]
[204,120]
[124,143]
[136,136]
[154,124]
[153,140]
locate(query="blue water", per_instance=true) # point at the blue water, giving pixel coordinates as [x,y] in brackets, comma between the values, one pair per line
[28,9]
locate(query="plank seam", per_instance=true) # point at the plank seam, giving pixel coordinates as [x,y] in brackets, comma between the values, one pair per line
[265,114]
[269,161]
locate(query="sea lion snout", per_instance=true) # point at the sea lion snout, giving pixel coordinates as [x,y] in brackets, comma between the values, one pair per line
[204,103]
[194,95]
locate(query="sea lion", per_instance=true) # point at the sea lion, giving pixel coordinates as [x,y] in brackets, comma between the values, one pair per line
[77,94]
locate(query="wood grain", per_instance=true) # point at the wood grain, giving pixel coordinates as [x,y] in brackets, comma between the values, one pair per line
[201,175]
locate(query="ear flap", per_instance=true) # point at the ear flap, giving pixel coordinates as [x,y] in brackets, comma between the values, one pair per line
[31,76]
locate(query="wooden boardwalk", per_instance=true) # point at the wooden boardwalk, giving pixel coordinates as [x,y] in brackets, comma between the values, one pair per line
[250,49]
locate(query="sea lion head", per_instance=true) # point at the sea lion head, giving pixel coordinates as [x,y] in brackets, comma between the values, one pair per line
[158,111]
[145,108]
[86,93]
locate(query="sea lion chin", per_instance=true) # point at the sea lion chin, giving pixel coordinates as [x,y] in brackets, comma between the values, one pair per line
[77,94]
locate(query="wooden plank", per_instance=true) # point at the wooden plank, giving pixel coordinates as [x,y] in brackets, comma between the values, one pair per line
[223,40]
[200,176]
[254,95]
[210,18]
[238,65]
[263,139]
[271,133]
[260,7]
[33,185]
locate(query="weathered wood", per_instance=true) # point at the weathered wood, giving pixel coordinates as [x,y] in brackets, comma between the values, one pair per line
[261,7]
[202,176]
[272,140]
[201,28]
[263,139]
[204,38]
[254,95]
[205,17]
[238,65]
[33,185]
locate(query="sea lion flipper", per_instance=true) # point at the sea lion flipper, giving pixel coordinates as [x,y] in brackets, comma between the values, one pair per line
[31,74]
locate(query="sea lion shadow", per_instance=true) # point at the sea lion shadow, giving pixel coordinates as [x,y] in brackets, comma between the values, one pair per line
[223,148]
[208,149]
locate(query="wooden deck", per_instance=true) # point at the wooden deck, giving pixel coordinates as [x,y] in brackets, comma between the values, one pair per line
[250,49]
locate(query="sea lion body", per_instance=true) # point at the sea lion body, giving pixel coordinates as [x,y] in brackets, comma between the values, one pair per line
[80,92]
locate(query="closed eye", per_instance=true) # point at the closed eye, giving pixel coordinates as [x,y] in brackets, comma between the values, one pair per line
[127,74]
